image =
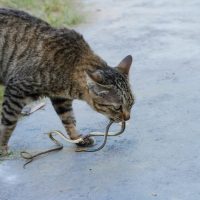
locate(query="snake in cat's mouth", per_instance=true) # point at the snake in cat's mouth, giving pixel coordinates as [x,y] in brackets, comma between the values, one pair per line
[59,145]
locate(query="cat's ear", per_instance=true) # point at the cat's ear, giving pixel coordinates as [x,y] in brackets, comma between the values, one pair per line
[95,76]
[94,80]
[125,65]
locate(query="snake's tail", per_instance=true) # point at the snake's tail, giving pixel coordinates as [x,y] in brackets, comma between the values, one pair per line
[30,157]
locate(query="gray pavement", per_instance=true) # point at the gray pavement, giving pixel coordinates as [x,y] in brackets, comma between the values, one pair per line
[158,157]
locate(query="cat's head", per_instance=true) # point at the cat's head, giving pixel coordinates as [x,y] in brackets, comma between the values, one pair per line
[110,92]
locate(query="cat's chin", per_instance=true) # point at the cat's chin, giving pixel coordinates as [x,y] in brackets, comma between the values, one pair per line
[115,120]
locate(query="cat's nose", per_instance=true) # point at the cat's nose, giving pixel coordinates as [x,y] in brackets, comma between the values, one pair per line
[126,116]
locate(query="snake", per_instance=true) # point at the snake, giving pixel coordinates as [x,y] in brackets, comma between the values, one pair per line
[59,146]
[123,126]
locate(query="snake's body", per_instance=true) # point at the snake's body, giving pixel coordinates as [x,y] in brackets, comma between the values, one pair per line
[59,145]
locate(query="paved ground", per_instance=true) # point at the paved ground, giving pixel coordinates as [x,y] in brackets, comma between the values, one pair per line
[158,156]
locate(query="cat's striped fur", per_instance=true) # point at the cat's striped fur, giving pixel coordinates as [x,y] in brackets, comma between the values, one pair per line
[39,60]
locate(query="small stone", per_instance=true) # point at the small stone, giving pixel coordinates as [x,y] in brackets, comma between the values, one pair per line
[154,194]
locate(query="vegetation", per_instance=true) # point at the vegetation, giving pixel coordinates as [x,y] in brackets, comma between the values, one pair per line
[56,12]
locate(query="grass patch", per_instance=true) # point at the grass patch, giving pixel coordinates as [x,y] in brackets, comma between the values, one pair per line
[56,12]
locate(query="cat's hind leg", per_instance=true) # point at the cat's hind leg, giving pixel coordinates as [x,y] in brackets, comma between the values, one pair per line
[63,108]
[14,101]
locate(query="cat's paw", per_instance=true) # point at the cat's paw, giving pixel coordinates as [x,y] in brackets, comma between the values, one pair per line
[4,151]
[88,141]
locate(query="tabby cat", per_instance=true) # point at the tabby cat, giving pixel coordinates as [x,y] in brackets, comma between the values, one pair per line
[37,60]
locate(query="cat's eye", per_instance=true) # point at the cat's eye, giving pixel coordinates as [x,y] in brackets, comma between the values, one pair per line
[112,107]
[103,93]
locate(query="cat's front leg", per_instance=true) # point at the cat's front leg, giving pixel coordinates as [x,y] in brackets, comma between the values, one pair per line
[5,133]
[63,107]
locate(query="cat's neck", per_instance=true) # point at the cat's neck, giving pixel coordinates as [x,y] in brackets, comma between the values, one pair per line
[71,58]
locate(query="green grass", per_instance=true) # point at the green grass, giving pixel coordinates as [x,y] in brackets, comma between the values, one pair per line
[56,12]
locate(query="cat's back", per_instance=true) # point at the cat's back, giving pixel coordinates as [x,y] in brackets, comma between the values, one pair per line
[20,26]
[20,37]
[27,43]
[7,16]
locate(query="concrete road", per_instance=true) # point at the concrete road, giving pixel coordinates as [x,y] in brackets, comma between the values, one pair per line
[159,155]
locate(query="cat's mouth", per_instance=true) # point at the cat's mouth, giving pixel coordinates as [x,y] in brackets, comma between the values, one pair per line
[123,117]
[117,120]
